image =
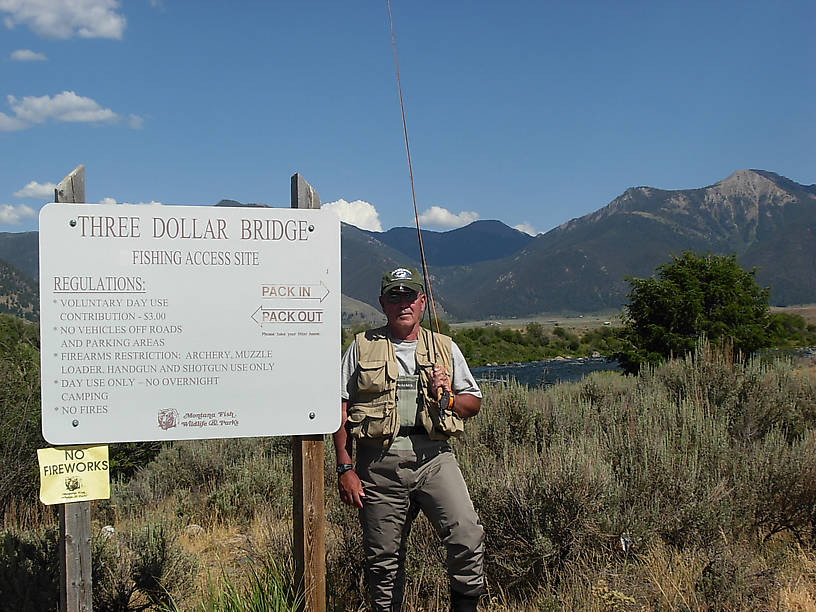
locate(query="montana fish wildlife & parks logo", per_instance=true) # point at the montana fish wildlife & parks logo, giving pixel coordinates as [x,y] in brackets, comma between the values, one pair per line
[168,418]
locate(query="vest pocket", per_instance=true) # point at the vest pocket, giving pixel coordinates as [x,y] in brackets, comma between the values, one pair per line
[423,359]
[373,376]
[452,426]
[372,420]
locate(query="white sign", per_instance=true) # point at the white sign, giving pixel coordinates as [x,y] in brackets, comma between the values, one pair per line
[184,322]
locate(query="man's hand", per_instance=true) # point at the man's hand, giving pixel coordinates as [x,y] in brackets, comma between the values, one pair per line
[351,489]
[438,382]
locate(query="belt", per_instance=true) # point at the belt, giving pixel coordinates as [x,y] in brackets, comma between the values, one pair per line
[411,430]
[404,431]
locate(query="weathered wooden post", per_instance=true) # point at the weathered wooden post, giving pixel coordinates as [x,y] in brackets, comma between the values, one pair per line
[76,593]
[308,513]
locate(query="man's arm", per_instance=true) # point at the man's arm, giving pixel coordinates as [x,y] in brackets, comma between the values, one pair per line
[348,484]
[342,441]
[466,405]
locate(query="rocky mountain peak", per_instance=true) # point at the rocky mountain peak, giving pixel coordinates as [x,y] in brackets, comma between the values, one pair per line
[753,185]
[745,190]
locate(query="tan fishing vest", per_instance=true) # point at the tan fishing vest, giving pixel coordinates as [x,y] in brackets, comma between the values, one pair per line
[374,411]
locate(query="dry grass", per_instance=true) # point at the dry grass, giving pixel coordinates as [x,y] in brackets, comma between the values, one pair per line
[578,322]
[798,592]
[227,549]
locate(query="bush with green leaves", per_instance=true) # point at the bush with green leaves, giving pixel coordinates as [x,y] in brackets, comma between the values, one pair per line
[790,330]
[131,571]
[29,569]
[20,435]
[139,569]
[685,454]
[689,297]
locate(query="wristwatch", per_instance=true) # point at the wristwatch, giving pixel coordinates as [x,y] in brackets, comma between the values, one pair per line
[342,468]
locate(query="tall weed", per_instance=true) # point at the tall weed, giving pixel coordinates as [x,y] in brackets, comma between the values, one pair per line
[265,586]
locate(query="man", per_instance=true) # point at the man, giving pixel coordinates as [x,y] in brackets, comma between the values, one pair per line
[405,391]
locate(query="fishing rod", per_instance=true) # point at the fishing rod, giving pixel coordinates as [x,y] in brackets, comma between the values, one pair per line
[428,289]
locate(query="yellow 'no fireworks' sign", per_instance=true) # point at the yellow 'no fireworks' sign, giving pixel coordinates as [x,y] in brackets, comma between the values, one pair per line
[73,473]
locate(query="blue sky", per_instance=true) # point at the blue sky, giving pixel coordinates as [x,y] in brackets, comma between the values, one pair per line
[530,112]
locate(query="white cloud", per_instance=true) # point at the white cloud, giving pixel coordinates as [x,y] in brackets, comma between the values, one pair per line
[10,124]
[27,55]
[66,18]
[107,201]
[358,213]
[437,217]
[36,190]
[66,106]
[135,122]
[12,215]
[527,228]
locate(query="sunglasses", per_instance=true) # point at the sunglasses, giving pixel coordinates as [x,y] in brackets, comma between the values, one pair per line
[397,297]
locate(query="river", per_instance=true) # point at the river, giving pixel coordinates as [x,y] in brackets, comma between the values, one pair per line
[551,371]
[547,372]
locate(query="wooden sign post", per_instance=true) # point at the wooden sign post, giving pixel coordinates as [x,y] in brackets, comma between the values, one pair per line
[308,511]
[76,592]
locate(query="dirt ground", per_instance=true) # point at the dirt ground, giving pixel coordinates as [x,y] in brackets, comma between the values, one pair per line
[577,321]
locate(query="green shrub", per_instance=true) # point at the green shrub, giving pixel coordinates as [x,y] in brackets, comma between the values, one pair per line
[788,330]
[344,560]
[129,573]
[29,570]
[139,569]
[212,479]
[708,459]
[692,296]
[544,513]
[128,458]
[685,454]
[20,435]
[782,475]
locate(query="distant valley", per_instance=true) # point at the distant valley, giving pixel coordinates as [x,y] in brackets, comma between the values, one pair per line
[488,269]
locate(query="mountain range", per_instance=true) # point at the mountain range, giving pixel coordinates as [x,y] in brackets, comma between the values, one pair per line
[767,220]
[487,269]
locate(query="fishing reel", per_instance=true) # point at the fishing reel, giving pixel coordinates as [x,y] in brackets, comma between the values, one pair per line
[446,402]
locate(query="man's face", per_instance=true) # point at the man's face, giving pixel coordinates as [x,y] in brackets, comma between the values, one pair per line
[403,309]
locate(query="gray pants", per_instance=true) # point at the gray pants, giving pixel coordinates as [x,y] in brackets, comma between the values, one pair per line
[397,484]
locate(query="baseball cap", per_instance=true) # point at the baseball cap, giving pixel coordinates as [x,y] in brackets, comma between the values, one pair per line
[401,279]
